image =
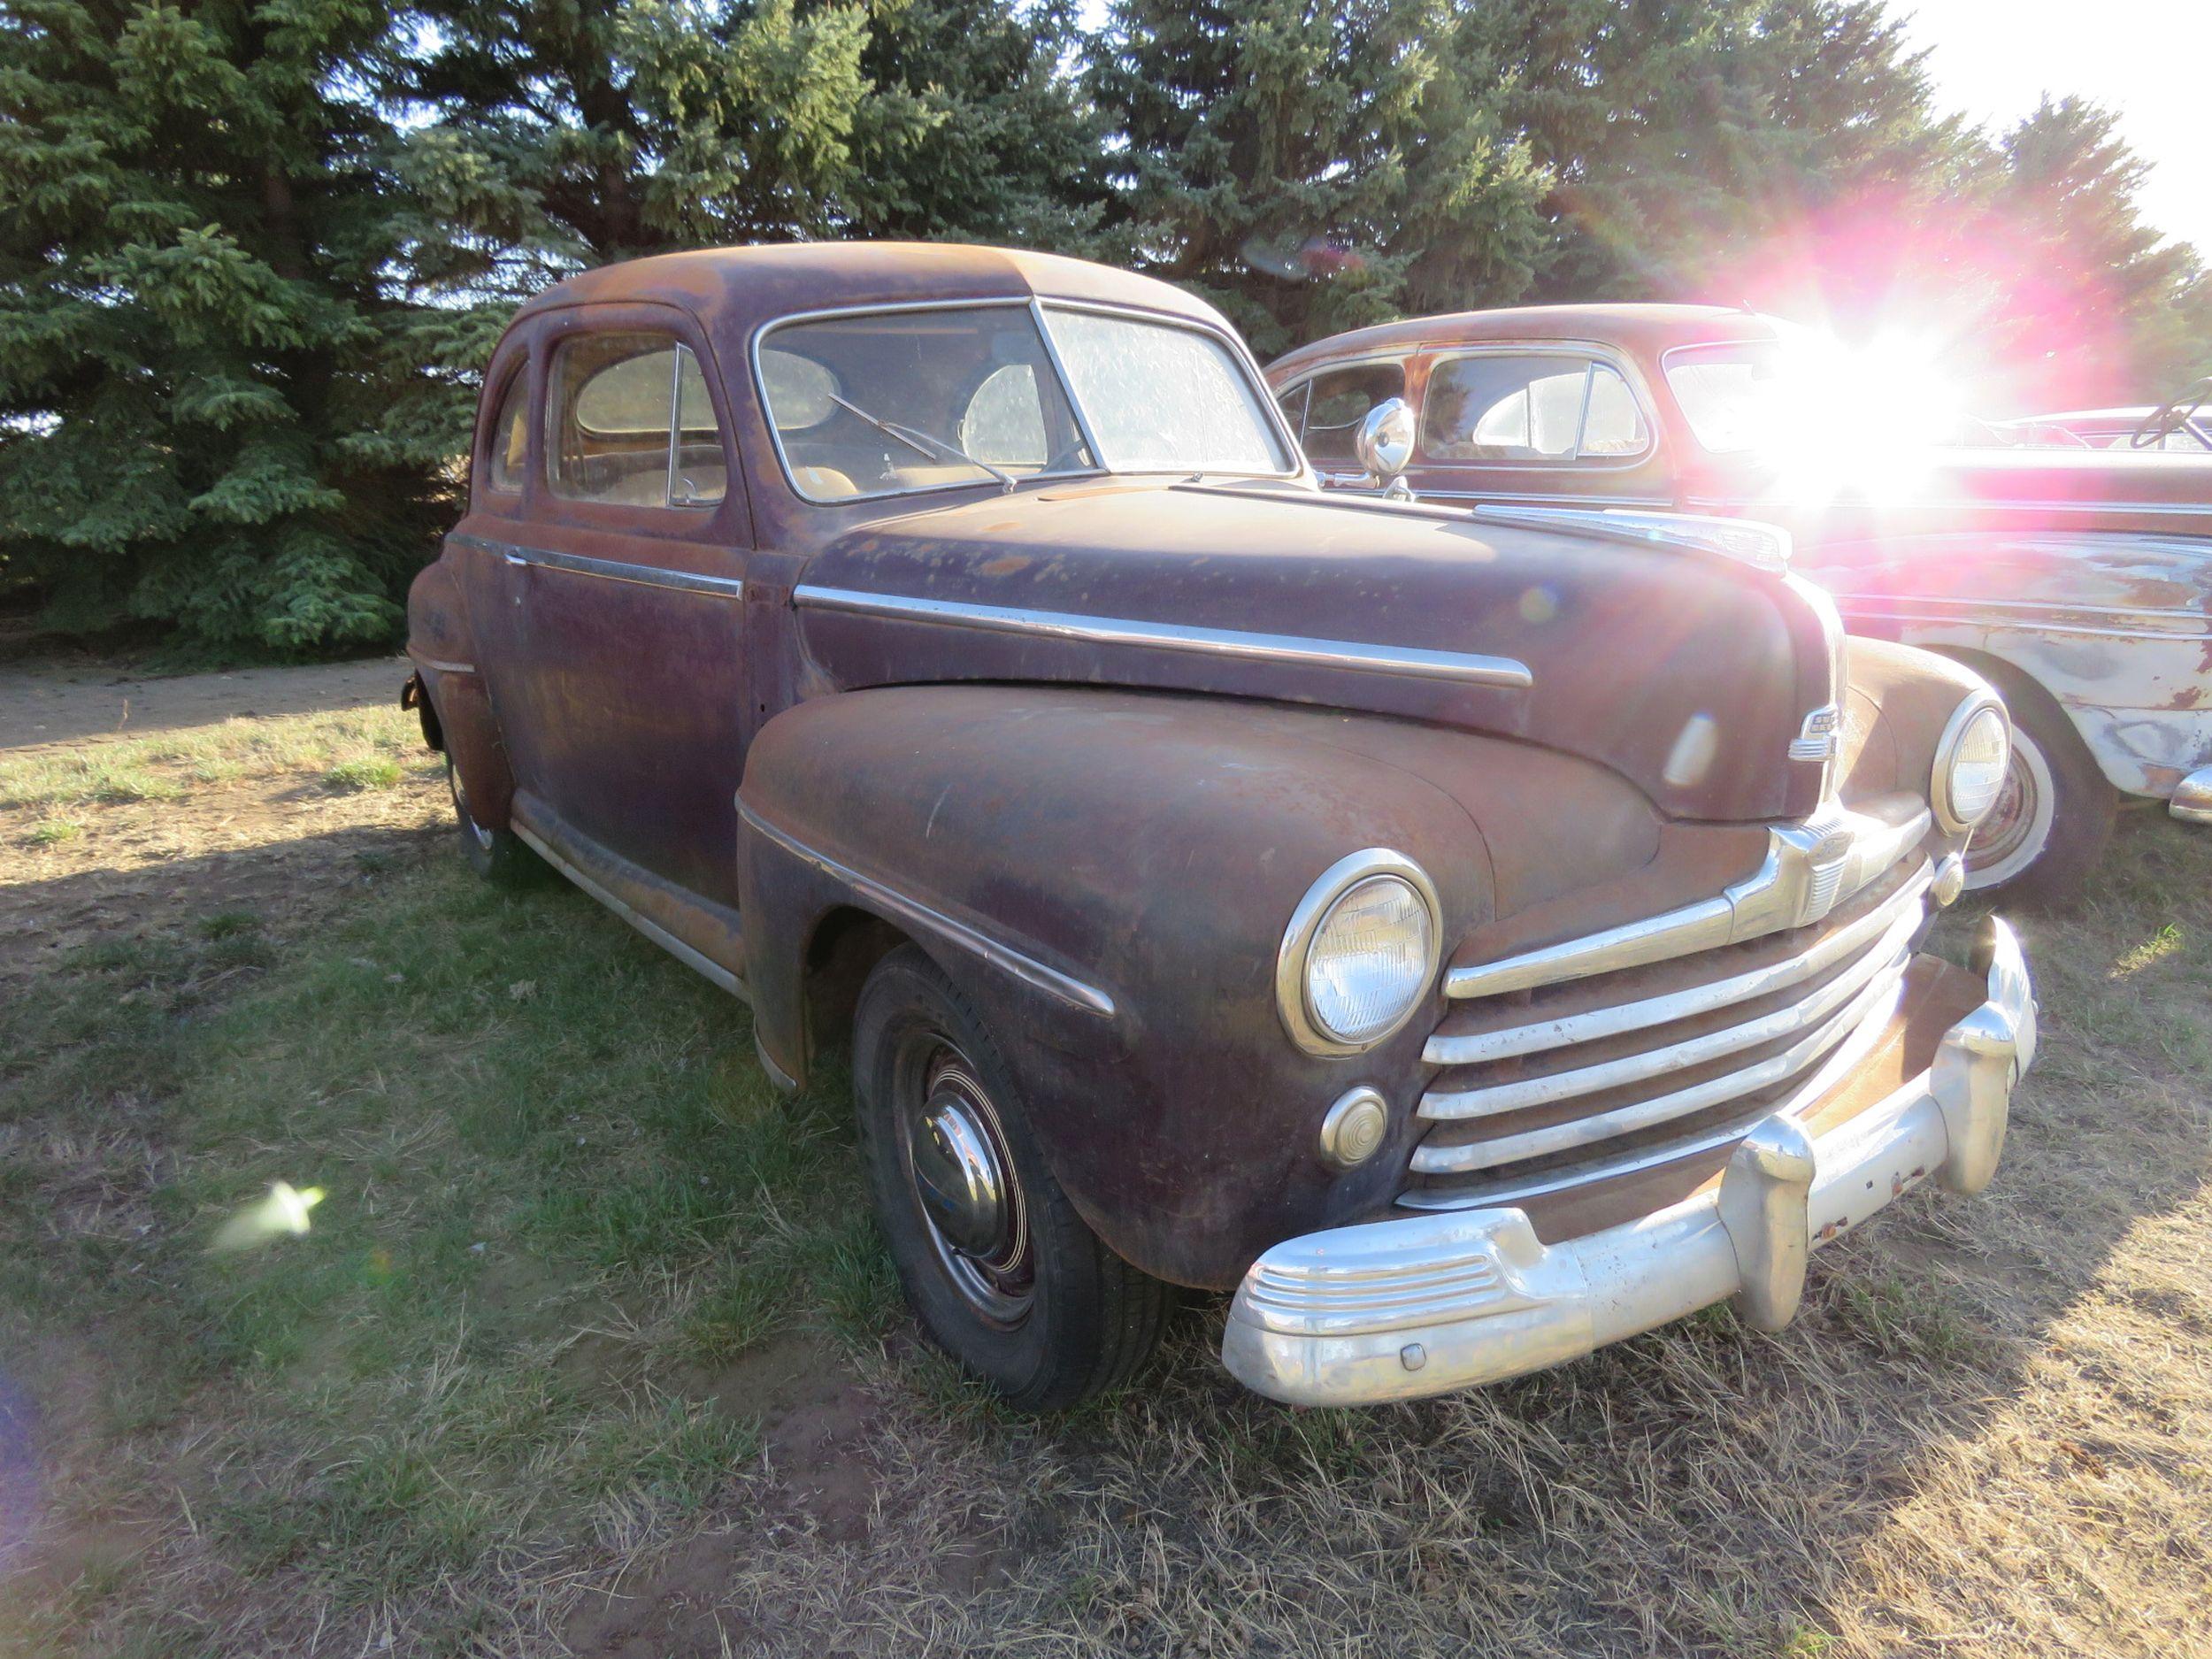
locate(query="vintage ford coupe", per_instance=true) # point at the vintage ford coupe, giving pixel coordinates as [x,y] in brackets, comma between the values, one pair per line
[2079,582]
[1473,943]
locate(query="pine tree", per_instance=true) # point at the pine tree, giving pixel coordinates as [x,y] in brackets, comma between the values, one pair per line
[1681,134]
[564,133]
[1312,167]
[210,405]
[2097,300]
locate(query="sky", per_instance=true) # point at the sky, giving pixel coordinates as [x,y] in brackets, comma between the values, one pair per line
[2147,59]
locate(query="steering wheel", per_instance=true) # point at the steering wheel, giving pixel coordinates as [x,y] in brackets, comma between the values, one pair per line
[2170,416]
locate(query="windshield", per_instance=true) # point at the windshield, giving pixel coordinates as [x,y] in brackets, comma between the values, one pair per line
[889,403]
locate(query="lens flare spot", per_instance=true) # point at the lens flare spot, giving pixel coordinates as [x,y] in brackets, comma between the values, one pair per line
[284,1210]
[1694,748]
[1540,603]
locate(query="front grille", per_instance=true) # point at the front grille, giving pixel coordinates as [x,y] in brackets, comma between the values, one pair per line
[1549,1085]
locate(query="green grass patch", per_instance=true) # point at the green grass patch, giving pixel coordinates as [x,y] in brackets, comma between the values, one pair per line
[356,777]
[399,1386]
[165,766]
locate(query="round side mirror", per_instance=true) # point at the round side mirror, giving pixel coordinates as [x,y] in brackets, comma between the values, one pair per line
[1385,442]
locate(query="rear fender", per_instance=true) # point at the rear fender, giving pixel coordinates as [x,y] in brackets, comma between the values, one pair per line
[457,716]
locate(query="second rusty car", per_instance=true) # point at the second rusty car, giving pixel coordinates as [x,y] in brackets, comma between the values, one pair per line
[1470,943]
[2076,582]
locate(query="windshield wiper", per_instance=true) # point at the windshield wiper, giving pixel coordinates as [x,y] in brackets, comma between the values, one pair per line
[922,443]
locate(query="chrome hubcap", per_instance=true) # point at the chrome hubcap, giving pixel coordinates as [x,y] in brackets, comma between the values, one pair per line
[964,1185]
[1998,836]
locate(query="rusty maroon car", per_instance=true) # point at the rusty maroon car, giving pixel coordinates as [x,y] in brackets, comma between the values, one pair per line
[1470,943]
[2079,582]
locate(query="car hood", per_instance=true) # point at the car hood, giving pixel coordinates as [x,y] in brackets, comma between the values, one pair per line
[1688,673]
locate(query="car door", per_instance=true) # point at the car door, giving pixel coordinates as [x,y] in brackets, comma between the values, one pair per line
[1544,424]
[621,695]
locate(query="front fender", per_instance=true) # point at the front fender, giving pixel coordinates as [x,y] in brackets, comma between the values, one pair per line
[1107,876]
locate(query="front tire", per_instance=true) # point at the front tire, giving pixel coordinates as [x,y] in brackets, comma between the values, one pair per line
[1003,1272]
[2055,812]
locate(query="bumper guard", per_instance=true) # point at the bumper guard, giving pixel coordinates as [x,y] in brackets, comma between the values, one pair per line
[1403,1308]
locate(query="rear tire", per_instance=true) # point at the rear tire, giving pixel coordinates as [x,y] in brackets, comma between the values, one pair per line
[498,856]
[2052,820]
[1003,1272]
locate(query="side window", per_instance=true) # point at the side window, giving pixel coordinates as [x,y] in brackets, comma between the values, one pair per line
[1338,400]
[1548,407]
[508,445]
[1293,404]
[629,421]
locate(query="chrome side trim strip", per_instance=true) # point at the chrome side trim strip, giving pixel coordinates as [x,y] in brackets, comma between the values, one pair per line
[2023,625]
[1460,1105]
[442,666]
[1809,869]
[610,570]
[1027,969]
[1900,912]
[693,959]
[1463,667]
[1872,1006]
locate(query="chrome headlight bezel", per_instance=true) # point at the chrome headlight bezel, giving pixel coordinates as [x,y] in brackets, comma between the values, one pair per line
[1947,755]
[1293,999]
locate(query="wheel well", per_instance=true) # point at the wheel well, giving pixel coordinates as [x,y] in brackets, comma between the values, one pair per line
[847,943]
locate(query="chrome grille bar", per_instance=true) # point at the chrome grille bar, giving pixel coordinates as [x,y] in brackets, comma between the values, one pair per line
[1508,1189]
[1809,868]
[1875,1002]
[1460,1105]
[1881,933]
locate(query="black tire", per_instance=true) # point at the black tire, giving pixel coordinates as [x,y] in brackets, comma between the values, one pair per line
[2049,826]
[498,856]
[1036,1304]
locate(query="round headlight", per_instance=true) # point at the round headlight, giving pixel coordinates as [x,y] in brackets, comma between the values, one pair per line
[1969,768]
[1360,953]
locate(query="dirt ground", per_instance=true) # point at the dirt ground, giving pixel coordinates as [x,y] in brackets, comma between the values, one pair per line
[76,700]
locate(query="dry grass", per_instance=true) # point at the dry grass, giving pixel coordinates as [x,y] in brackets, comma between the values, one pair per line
[591,1349]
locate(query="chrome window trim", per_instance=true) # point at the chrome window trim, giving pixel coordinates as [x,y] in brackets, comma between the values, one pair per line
[1290,956]
[1302,381]
[1036,304]
[1809,868]
[549,393]
[1459,666]
[1586,351]
[1087,998]
[1241,354]
[1954,730]
[1620,1019]
[609,569]
[1872,1005]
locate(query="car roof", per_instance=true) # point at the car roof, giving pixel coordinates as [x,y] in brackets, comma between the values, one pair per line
[1645,328]
[734,290]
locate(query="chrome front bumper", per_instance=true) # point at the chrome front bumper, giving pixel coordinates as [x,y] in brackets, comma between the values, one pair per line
[2192,801]
[1398,1309]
